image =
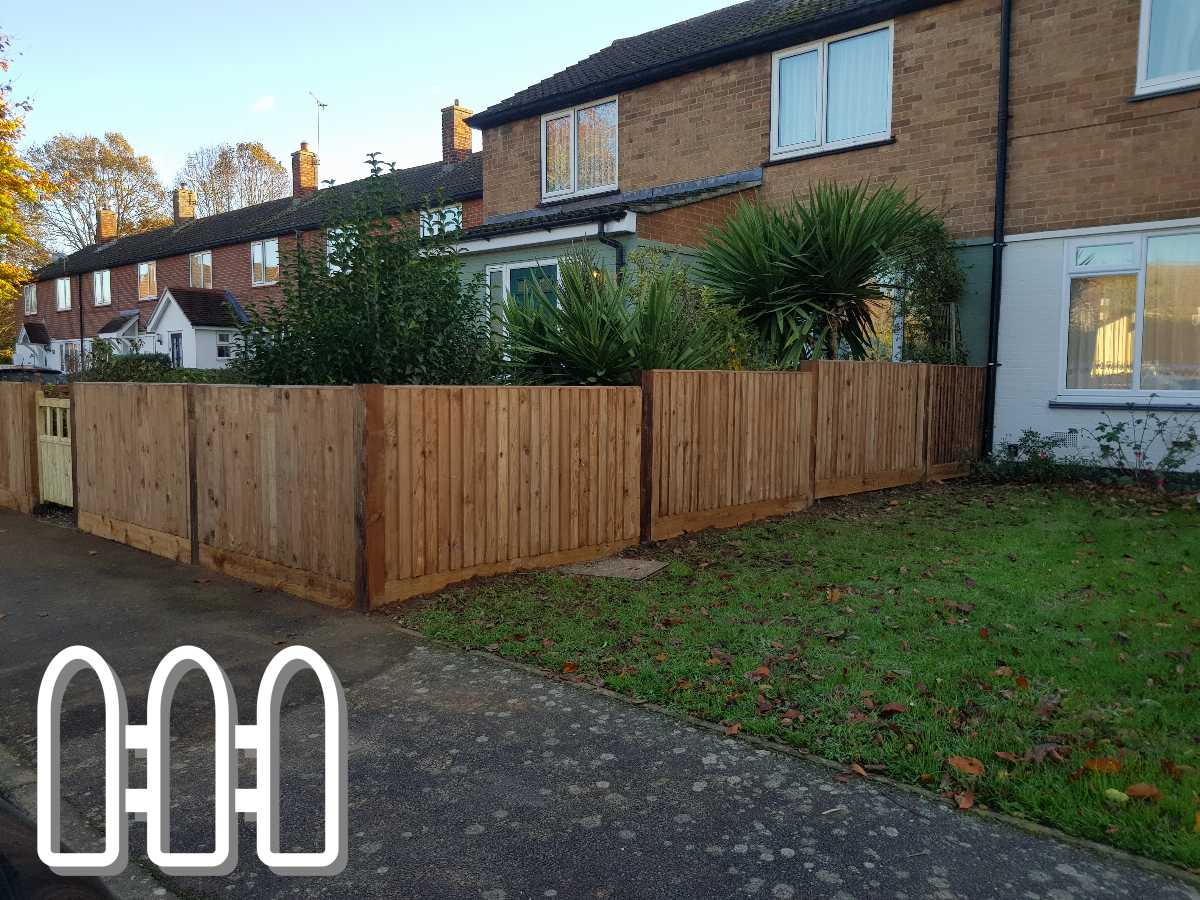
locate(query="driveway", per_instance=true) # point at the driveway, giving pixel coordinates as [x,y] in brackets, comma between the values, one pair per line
[472,779]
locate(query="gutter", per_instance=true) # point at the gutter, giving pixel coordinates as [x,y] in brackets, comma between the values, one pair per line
[1001,199]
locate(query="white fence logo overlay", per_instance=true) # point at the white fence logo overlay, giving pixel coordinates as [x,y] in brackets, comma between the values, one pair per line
[260,803]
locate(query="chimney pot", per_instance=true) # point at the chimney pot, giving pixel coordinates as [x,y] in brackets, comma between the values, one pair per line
[456,134]
[304,171]
[183,204]
[106,225]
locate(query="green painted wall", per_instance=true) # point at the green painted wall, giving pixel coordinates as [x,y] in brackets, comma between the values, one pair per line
[976,259]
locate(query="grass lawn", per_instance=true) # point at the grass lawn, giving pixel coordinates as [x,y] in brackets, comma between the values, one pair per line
[1047,639]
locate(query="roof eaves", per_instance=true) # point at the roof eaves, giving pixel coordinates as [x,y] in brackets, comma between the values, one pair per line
[776,39]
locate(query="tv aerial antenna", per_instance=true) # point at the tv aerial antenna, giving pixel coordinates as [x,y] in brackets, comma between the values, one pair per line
[320,106]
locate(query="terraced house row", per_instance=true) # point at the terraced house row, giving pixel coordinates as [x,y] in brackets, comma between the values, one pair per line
[1059,138]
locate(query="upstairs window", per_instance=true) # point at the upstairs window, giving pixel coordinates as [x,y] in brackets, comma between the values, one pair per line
[30,299]
[147,276]
[102,288]
[832,94]
[264,262]
[1169,51]
[62,294]
[200,269]
[1133,321]
[441,221]
[579,150]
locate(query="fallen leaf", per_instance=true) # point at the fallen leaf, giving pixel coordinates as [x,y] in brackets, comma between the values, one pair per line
[1003,672]
[968,765]
[892,709]
[858,770]
[1022,683]
[1038,753]
[983,633]
[569,667]
[660,657]
[1112,795]
[731,730]
[1007,757]
[1197,828]
[1049,706]
[965,800]
[1104,765]
[1143,791]
[760,674]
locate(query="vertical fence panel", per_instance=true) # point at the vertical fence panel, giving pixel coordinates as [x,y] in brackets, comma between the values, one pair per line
[727,447]
[502,479]
[277,480]
[18,446]
[871,431]
[956,395]
[131,465]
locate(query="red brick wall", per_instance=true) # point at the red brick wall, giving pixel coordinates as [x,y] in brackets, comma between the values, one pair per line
[1081,153]
[718,120]
[687,225]
[472,213]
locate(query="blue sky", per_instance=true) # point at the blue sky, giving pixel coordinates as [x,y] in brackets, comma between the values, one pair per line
[176,76]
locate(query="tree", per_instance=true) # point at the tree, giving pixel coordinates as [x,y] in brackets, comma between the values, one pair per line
[230,176]
[89,173]
[381,306]
[815,276]
[20,187]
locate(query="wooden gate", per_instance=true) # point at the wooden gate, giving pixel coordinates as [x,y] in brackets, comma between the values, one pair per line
[54,450]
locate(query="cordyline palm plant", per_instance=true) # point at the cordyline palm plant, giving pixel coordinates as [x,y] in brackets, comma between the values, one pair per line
[810,276]
[595,329]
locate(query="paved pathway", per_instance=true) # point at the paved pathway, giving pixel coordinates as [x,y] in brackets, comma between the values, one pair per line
[469,779]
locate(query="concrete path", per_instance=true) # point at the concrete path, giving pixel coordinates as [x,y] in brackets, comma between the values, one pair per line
[470,779]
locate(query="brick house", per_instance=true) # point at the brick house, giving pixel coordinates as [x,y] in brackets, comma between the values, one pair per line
[1083,287]
[114,288]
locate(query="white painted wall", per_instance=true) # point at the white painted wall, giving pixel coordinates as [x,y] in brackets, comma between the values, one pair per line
[1033,317]
[172,320]
[206,348]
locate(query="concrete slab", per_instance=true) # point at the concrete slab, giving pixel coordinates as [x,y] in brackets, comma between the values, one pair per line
[617,567]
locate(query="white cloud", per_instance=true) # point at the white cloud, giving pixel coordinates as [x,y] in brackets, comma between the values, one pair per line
[262,104]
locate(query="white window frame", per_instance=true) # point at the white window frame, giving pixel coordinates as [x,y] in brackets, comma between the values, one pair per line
[439,215]
[191,268]
[1140,241]
[263,244]
[59,285]
[820,145]
[573,113]
[30,291]
[506,269]
[225,342]
[151,269]
[102,287]
[1146,84]
[171,335]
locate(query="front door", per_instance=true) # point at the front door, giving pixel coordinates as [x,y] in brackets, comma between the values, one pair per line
[176,349]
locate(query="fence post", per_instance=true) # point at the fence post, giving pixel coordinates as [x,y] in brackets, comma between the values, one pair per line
[647,473]
[189,418]
[34,485]
[926,408]
[370,559]
[813,368]
[73,396]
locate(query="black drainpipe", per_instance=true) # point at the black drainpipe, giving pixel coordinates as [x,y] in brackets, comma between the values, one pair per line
[1002,116]
[617,246]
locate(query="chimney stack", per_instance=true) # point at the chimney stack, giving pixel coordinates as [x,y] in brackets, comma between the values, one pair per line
[304,171]
[456,134]
[106,225]
[183,204]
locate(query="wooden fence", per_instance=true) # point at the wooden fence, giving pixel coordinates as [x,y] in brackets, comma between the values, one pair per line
[18,446]
[870,430]
[724,448]
[131,465]
[474,481]
[361,496]
[956,395]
